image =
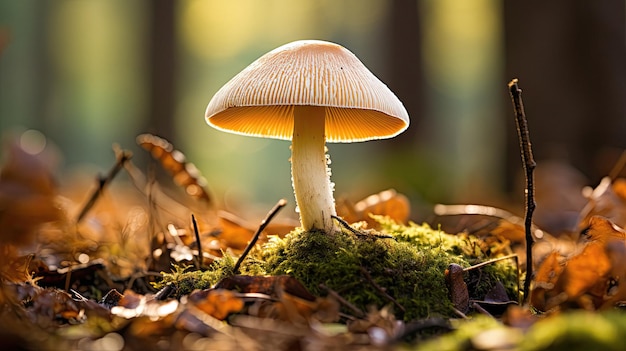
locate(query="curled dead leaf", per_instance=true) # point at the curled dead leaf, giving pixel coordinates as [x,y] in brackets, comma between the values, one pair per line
[27,196]
[388,203]
[589,277]
[219,303]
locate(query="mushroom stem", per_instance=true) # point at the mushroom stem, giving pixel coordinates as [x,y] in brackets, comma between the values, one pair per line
[309,170]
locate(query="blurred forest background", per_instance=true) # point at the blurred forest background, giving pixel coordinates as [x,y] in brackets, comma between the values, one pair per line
[90,73]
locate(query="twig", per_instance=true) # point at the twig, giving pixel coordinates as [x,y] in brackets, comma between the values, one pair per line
[529,166]
[414,327]
[358,233]
[346,225]
[199,256]
[381,289]
[511,256]
[359,313]
[122,157]
[480,309]
[279,205]
[493,260]
[619,166]
[482,210]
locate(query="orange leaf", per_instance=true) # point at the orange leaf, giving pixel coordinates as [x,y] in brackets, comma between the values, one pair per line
[386,203]
[587,278]
[218,303]
[27,196]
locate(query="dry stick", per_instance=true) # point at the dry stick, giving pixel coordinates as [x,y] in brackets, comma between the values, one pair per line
[102,182]
[356,232]
[359,313]
[346,225]
[619,166]
[199,256]
[529,166]
[281,203]
[493,260]
[380,289]
[513,256]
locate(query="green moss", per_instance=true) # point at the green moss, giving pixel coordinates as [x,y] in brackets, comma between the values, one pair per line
[405,270]
[461,249]
[402,266]
[577,330]
[187,281]
[461,338]
[567,331]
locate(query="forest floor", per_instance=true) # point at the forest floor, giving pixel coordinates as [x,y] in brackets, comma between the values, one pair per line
[139,264]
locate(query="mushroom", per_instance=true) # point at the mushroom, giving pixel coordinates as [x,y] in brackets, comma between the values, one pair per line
[310,92]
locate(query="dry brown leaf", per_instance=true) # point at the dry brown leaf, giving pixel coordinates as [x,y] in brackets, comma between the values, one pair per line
[608,200]
[386,203]
[287,299]
[457,289]
[236,232]
[269,285]
[27,196]
[219,303]
[589,277]
[545,279]
[132,305]
[301,311]
[184,173]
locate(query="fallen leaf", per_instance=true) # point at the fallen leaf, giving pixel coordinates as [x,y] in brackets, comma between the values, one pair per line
[27,196]
[589,277]
[184,173]
[219,303]
[268,285]
[388,203]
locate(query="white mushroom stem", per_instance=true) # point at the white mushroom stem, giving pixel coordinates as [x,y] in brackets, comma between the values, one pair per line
[309,169]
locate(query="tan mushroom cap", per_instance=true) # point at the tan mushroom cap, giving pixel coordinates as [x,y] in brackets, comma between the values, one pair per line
[260,100]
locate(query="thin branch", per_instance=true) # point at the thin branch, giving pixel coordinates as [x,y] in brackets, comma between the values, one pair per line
[482,210]
[511,256]
[493,260]
[359,313]
[270,215]
[122,157]
[358,233]
[619,166]
[380,289]
[199,256]
[346,225]
[529,166]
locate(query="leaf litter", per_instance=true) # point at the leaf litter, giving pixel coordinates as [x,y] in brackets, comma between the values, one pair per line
[124,271]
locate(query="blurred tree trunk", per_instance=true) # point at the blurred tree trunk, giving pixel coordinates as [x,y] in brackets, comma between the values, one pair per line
[405,65]
[162,61]
[22,27]
[570,58]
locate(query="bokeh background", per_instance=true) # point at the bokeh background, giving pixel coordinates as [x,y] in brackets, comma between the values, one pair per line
[90,73]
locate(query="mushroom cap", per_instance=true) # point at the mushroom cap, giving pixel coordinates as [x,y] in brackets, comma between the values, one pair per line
[260,100]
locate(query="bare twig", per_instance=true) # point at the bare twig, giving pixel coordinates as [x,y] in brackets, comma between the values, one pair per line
[358,233]
[619,166]
[511,256]
[199,257]
[281,203]
[381,290]
[359,313]
[529,166]
[122,157]
[482,210]
[346,225]
[493,260]
[480,309]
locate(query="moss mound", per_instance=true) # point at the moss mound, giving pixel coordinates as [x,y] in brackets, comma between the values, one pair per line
[404,270]
[400,266]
